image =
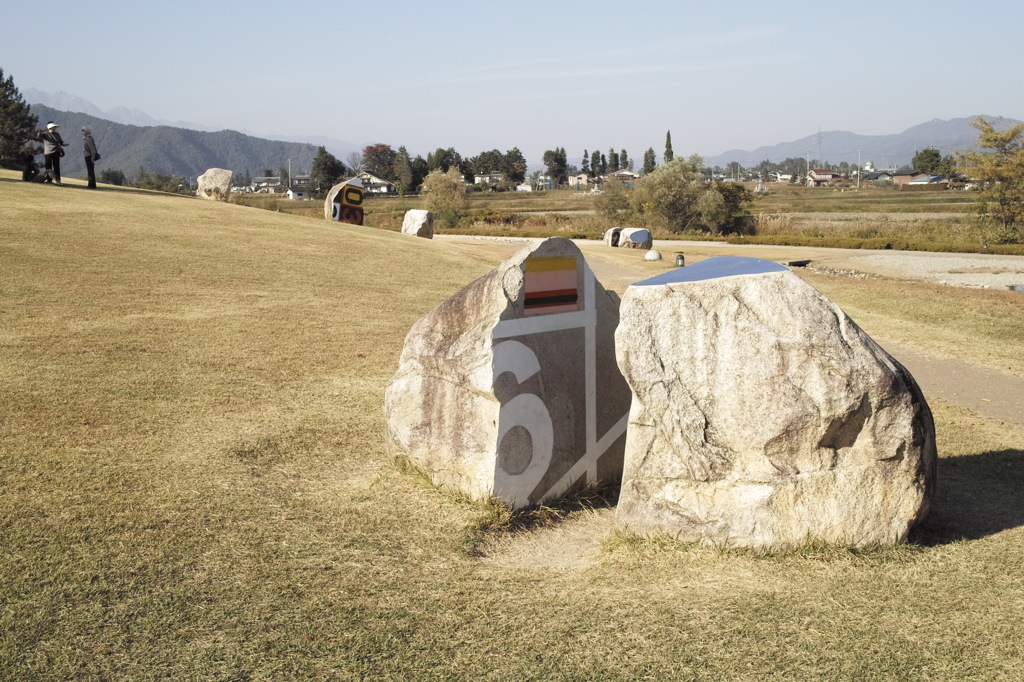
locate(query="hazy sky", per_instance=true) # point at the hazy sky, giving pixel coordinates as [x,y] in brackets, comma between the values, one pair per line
[534,75]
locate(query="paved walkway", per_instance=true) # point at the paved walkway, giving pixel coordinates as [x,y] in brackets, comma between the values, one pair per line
[986,391]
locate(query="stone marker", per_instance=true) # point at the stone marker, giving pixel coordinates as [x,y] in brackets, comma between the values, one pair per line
[344,202]
[652,255]
[418,223]
[763,416]
[214,184]
[510,387]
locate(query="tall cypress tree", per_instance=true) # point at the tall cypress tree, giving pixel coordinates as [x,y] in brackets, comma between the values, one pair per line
[668,146]
[650,163]
[586,163]
[17,126]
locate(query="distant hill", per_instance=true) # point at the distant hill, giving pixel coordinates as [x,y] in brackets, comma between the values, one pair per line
[170,150]
[885,151]
[65,101]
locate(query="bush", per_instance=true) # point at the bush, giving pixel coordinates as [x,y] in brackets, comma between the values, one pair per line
[445,196]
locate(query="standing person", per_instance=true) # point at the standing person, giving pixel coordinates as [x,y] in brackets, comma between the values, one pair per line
[91,156]
[52,151]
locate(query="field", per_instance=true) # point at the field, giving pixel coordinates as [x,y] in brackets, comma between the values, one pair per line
[194,484]
[868,217]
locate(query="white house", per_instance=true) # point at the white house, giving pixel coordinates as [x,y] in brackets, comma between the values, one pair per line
[579,181]
[821,177]
[374,185]
[488,178]
[625,175]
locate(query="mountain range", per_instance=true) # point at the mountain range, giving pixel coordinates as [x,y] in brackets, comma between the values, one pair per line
[884,151]
[67,102]
[170,150]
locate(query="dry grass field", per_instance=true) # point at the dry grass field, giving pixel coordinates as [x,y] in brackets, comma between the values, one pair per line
[193,486]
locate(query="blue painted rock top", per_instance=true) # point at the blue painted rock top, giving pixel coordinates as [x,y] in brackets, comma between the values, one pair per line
[714,268]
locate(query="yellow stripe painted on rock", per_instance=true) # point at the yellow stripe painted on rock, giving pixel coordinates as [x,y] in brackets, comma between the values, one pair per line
[549,264]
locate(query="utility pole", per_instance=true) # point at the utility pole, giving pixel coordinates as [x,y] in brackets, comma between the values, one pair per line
[859,170]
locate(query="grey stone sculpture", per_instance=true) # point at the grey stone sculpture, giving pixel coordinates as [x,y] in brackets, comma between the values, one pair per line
[510,387]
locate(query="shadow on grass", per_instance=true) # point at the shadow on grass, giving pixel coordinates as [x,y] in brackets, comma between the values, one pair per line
[978,495]
[496,518]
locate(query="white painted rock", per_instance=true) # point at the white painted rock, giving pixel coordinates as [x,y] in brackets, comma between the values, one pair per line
[652,255]
[214,184]
[763,416]
[628,237]
[611,236]
[418,223]
[510,387]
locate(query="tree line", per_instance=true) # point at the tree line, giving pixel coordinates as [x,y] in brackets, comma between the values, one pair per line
[408,173]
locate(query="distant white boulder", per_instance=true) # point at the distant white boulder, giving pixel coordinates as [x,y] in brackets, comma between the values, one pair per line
[653,255]
[214,184]
[418,223]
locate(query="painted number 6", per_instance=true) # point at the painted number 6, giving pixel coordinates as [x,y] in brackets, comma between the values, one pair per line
[525,412]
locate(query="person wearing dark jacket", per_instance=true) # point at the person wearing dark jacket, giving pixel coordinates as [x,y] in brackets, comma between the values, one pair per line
[91,156]
[29,170]
[52,151]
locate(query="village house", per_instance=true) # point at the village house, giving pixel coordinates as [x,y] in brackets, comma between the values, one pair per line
[823,177]
[374,185]
[267,184]
[580,181]
[625,175]
[926,182]
[488,178]
[905,175]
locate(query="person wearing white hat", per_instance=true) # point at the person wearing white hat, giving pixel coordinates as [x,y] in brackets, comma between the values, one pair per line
[91,156]
[52,151]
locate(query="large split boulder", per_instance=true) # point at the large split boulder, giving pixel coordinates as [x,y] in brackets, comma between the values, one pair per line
[628,238]
[762,416]
[214,184]
[510,388]
[418,223]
